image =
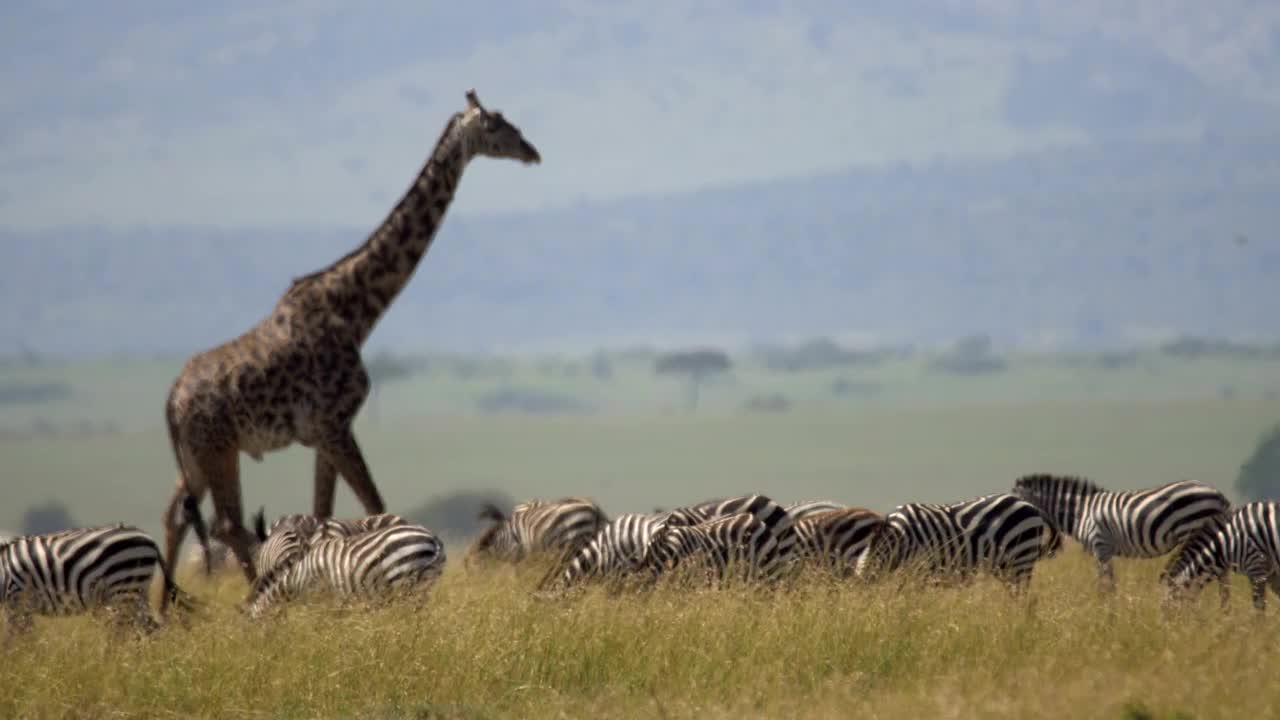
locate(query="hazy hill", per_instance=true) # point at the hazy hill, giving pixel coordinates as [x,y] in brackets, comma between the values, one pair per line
[1086,245]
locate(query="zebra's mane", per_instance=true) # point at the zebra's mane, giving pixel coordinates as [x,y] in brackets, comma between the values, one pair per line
[1044,481]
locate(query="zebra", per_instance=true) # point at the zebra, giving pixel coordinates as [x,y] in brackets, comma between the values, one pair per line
[311,525]
[1001,534]
[616,550]
[83,569]
[1140,523]
[740,542]
[801,510]
[372,566]
[835,539]
[763,508]
[538,526]
[1247,541]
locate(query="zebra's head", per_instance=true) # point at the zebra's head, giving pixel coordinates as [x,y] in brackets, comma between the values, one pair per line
[884,552]
[1202,558]
[496,541]
[663,553]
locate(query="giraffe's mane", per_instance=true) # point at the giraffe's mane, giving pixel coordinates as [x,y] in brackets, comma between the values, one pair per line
[303,281]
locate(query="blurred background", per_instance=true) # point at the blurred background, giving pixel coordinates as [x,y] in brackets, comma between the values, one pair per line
[877,252]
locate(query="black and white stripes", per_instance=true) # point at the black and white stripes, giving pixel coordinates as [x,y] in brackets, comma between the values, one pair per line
[373,565]
[740,546]
[999,534]
[79,570]
[835,539]
[1246,541]
[616,551]
[560,527]
[1140,523]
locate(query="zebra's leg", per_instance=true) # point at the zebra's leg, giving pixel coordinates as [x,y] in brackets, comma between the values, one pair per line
[1273,580]
[1106,574]
[1224,591]
[1259,593]
[18,622]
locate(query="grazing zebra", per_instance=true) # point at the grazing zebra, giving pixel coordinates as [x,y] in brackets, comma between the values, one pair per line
[372,566]
[1247,541]
[1140,523]
[537,526]
[75,571]
[308,529]
[764,509]
[1000,534]
[618,549]
[835,539]
[801,510]
[720,548]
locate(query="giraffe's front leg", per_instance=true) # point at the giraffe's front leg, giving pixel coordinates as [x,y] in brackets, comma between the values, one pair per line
[326,480]
[343,452]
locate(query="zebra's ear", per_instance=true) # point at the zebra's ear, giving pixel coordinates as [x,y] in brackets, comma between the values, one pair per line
[489,511]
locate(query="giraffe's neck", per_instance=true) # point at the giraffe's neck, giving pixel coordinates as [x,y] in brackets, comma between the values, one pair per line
[359,288]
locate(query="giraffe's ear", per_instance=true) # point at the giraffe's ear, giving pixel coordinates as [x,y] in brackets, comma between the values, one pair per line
[473,101]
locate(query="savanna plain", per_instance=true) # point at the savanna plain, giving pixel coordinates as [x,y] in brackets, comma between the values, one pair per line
[484,645]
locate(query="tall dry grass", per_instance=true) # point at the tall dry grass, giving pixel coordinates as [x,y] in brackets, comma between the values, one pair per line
[487,648]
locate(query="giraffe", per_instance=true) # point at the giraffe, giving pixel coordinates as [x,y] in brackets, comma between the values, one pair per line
[297,375]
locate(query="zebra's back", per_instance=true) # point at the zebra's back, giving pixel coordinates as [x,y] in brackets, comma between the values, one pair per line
[617,549]
[835,539]
[740,544]
[801,510]
[1001,534]
[77,570]
[775,517]
[539,526]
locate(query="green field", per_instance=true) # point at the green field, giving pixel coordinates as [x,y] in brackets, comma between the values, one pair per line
[484,647]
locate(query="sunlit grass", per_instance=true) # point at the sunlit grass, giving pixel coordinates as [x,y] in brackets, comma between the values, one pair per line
[487,648]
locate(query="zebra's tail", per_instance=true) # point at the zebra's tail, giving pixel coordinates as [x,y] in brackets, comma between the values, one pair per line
[191,513]
[260,524]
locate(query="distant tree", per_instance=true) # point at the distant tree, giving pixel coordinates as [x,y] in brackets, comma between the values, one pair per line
[49,517]
[1259,477]
[601,367]
[384,369]
[971,355]
[696,366]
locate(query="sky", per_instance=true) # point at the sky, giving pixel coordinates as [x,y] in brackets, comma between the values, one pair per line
[248,114]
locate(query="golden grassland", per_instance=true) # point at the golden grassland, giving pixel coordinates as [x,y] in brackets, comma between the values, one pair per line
[484,647]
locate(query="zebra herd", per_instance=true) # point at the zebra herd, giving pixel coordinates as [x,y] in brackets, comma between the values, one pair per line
[747,539]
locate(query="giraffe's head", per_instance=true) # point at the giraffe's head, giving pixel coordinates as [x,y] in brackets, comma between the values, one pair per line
[486,132]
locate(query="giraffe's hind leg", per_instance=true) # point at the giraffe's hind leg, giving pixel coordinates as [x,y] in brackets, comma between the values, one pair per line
[176,523]
[220,471]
